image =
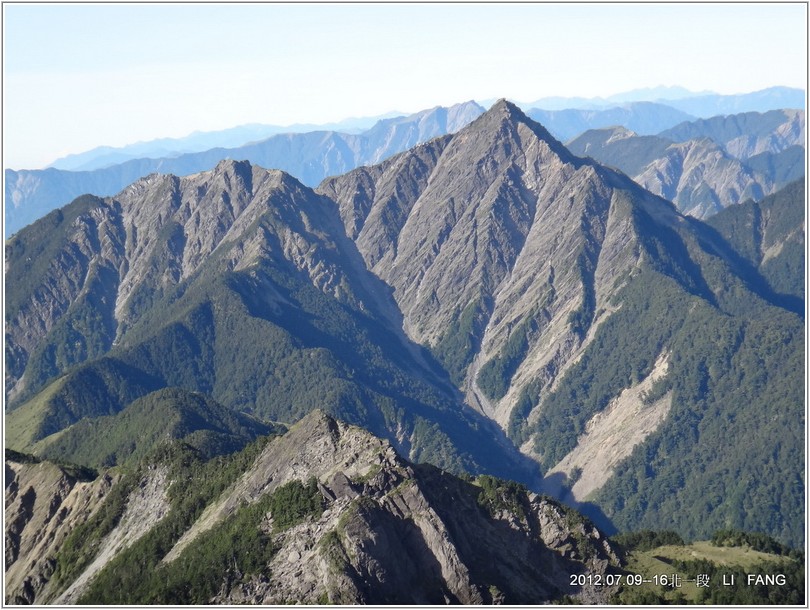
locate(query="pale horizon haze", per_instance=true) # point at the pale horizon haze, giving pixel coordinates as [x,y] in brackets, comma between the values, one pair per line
[76,77]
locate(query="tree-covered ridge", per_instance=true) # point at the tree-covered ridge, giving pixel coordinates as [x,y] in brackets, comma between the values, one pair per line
[195,483]
[240,547]
[730,451]
[160,416]
[769,236]
[338,530]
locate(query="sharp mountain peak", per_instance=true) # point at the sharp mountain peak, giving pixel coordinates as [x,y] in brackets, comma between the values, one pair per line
[506,117]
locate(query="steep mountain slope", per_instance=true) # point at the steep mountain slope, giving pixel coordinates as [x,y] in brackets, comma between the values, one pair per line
[43,504]
[769,235]
[697,174]
[310,157]
[563,299]
[783,167]
[700,179]
[238,283]
[747,134]
[325,513]
[622,346]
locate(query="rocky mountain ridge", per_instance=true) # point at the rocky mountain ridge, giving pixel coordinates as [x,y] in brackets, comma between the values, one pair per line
[309,156]
[381,531]
[707,165]
[220,252]
[490,225]
[483,291]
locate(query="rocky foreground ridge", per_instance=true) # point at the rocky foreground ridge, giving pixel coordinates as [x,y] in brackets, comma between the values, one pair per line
[381,530]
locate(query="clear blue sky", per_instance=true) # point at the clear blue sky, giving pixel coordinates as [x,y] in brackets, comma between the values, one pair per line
[80,76]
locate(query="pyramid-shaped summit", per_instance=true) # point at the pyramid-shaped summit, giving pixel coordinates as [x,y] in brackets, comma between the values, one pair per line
[494,227]
[526,269]
[505,116]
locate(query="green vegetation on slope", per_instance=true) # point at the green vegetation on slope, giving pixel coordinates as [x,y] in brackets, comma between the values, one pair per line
[730,453]
[195,483]
[239,547]
[458,345]
[267,342]
[668,573]
[495,376]
[769,236]
[101,387]
[158,417]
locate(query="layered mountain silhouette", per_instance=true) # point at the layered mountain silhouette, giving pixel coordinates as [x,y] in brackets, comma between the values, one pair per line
[703,104]
[105,156]
[707,165]
[309,156]
[482,292]
[641,117]
[311,153]
[747,134]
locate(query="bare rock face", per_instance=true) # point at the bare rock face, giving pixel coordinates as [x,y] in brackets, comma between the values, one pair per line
[146,505]
[391,532]
[699,175]
[156,234]
[494,232]
[701,179]
[44,503]
[395,533]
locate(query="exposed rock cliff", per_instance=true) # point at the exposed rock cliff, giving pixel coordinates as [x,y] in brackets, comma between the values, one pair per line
[43,503]
[697,174]
[388,532]
[496,234]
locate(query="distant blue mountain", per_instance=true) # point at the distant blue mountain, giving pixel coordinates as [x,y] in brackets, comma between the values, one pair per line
[310,157]
[105,156]
[699,104]
[773,98]
[644,118]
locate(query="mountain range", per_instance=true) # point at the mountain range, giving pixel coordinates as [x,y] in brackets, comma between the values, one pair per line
[309,156]
[486,301]
[640,117]
[491,267]
[705,166]
[313,155]
[703,104]
[105,156]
